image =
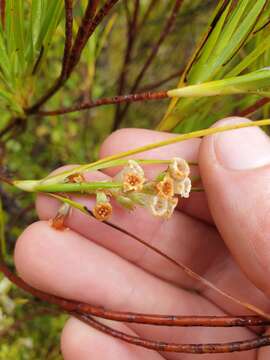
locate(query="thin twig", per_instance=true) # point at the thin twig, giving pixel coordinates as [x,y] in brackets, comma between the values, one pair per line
[63,76]
[68,36]
[74,56]
[253,108]
[131,36]
[107,101]
[164,33]
[86,30]
[190,272]
[82,311]
[3,13]
[174,347]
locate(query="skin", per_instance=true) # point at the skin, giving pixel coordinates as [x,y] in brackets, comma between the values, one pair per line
[223,234]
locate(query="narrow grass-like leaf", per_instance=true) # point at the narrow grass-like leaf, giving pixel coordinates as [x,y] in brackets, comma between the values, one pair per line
[54,12]
[19,34]
[255,82]
[231,30]
[128,154]
[250,58]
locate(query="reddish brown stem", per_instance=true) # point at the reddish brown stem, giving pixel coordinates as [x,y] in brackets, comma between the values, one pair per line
[108,101]
[193,275]
[131,32]
[130,317]
[89,24]
[68,44]
[164,33]
[82,34]
[3,13]
[85,311]
[177,348]
[253,108]
[82,311]
[74,56]
[68,34]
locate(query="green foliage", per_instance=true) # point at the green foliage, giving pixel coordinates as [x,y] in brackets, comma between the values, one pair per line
[233,44]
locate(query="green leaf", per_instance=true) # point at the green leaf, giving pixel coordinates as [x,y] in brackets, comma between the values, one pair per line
[256,82]
[250,58]
[232,28]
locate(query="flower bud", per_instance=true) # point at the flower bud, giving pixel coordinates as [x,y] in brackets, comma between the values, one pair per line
[58,221]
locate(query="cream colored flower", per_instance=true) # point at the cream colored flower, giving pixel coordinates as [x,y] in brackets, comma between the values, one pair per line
[187,188]
[179,169]
[102,211]
[132,177]
[158,205]
[183,187]
[165,188]
[134,166]
[132,182]
[162,207]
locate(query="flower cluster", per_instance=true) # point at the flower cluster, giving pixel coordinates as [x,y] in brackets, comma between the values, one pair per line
[159,196]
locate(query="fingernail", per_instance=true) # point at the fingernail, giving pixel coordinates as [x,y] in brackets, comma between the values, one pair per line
[242,149]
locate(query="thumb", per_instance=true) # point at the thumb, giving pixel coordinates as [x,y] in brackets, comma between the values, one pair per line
[235,170]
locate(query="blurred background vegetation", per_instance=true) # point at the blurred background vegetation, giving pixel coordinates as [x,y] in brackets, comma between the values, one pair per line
[31,47]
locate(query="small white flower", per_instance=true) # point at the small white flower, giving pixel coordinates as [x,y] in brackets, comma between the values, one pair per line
[132,177]
[183,187]
[179,169]
[158,205]
[162,207]
[134,166]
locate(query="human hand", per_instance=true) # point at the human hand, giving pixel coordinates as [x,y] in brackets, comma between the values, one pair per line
[222,234]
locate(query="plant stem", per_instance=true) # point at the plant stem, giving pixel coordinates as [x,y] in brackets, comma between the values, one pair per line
[254,107]
[131,37]
[3,13]
[161,346]
[164,33]
[68,39]
[89,187]
[107,101]
[75,53]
